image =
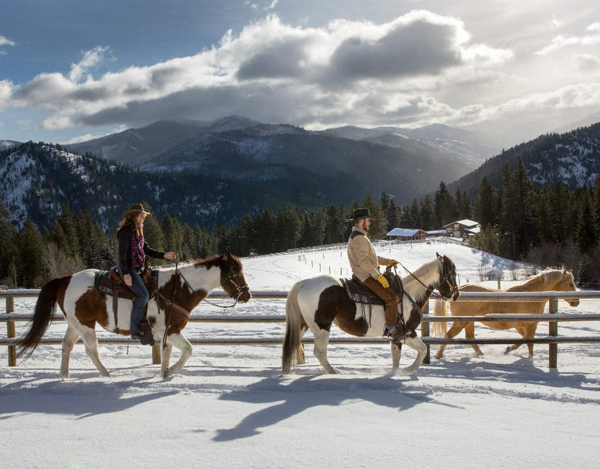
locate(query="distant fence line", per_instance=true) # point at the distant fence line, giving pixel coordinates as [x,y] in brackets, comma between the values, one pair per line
[552,340]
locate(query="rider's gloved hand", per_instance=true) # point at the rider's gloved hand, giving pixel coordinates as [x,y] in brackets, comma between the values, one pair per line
[381,279]
[392,262]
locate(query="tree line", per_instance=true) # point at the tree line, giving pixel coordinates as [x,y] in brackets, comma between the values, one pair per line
[549,226]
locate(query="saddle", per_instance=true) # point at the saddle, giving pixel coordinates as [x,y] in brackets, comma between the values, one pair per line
[110,283]
[359,293]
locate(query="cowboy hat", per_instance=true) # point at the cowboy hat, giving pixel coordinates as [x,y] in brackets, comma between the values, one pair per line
[360,213]
[135,209]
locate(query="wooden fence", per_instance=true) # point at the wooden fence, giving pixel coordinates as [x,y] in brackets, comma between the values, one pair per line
[552,339]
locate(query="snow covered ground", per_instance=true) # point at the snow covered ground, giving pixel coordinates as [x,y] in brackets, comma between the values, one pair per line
[231,408]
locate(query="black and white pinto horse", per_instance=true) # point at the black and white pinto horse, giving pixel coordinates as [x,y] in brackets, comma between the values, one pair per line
[179,291]
[317,302]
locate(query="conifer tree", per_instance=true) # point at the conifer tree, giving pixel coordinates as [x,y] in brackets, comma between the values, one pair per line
[445,209]
[31,248]
[485,206]
[428,221]
[68,226]
[585,232]
[173,236]
[9,247]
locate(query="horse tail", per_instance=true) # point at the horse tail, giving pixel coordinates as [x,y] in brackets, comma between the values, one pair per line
[293,323]
[440,328]
[42,316]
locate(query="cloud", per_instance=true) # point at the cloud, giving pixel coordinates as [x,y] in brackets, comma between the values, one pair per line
[90,59]
[5,42]
[590,38]
[588,63]
[345,71]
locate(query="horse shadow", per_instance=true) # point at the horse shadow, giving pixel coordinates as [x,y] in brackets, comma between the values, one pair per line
[292,397]
[46,394]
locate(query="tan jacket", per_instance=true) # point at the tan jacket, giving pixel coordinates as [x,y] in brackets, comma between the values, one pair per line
[362,257]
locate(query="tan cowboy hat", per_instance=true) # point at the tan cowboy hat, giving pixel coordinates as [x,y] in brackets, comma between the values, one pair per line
[135,208]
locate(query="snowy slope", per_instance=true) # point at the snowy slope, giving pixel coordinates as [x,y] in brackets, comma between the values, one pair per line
[231,408]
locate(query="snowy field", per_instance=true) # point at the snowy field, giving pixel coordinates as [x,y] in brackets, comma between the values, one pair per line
[231,408]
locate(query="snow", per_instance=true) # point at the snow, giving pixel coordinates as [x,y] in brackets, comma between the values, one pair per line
[231,408]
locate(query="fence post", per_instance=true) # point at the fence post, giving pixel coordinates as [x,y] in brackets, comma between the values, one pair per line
[425,332]
[156,354]
[553,331]
[11,332]
[499,280]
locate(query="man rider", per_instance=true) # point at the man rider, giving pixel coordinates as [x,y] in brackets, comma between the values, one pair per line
[364,264]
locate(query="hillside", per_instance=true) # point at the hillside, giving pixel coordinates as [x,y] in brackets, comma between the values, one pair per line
[572,158]
[230,407]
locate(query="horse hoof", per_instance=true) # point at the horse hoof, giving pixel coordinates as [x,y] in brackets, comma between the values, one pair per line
[166,374]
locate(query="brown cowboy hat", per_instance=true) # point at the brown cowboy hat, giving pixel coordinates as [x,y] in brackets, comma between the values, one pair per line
[135,209]
[360,213]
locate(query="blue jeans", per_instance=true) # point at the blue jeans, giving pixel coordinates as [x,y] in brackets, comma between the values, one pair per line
[139,305]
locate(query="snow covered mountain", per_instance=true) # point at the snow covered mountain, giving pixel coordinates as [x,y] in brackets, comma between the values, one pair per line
[6,144]
[37,179]
[185,145]
[572,158]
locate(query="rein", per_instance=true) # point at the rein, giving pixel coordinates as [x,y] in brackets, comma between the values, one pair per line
[432,294]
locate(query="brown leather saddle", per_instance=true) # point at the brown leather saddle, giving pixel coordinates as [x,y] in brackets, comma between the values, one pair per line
[110,283]
[359,293]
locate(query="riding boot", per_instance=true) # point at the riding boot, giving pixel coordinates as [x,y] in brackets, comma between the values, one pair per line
[146,336]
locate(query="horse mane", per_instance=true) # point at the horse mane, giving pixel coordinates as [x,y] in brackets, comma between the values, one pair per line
[545,277]
[428,273]
[200,262]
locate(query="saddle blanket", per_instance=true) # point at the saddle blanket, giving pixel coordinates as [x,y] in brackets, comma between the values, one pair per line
[359,293]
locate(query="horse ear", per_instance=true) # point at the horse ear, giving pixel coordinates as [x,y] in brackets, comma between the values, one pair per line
[437,255]
[227,254]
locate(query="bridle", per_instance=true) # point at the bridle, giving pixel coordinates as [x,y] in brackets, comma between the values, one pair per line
[231,277]
[445,279]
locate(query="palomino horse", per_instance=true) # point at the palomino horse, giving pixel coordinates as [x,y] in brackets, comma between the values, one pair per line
[84,306]
[316,303]
[550,280]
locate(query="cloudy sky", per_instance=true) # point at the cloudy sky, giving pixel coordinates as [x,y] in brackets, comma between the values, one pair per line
[72,70]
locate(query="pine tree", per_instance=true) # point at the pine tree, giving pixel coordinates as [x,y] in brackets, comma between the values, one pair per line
[173,236]
[445,208]
[428,221]
[585,232]
[485,205]
[522,203]
[68,226]
[9,247]
[153,235]
[31,252]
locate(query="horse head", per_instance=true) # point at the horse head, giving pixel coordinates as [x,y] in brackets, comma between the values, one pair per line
[567,283]
[232,278]
[448,287]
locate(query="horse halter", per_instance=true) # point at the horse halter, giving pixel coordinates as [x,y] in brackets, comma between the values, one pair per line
[446,280]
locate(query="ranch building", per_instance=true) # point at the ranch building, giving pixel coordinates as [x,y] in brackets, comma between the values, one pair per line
[406,234]
[462,228]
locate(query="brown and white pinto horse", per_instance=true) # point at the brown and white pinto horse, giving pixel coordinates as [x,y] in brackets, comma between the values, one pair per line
[84,306]
[316,303]
[550,280]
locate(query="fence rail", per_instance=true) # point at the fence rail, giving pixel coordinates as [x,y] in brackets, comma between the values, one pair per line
[10,318]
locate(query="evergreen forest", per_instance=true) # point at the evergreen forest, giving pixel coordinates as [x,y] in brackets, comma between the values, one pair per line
[550,226]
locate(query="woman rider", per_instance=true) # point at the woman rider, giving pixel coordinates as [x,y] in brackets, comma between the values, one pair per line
[132,256]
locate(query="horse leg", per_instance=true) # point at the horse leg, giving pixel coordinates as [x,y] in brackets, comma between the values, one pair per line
[68,343]
[417,344]
[454,330]
[320,351]
[91,348]
[301,357]
[470,334]
[396,354]
[178,340]
[165,357]
[526,332]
